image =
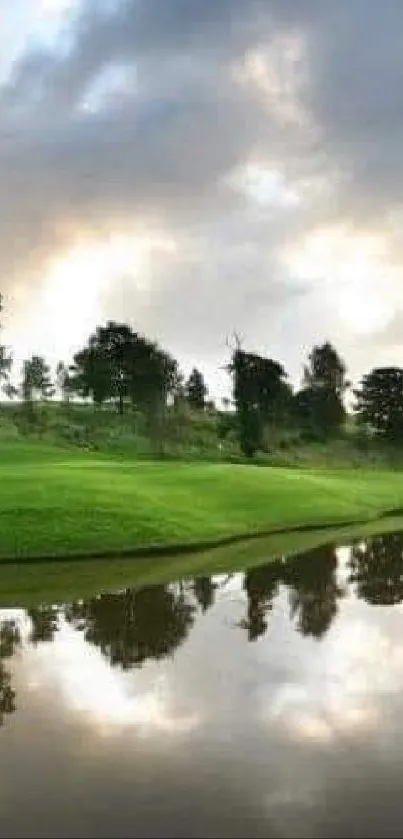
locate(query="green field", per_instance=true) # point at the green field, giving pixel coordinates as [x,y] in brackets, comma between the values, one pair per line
[56,502]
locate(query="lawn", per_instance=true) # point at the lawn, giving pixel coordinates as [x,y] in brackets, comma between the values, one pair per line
[54,502]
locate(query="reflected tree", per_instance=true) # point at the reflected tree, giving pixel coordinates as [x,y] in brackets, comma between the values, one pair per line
[261,586]
[314,591]
[204,591]
[134,625]
[9,639]
[377,569]
[44,624]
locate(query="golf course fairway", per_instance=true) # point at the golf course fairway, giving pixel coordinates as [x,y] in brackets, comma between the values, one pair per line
[57,503]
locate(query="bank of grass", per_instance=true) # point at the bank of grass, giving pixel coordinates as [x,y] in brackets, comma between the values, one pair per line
[53,583]
[59,503]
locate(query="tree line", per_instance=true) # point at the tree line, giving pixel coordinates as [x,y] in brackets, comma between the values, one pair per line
[123,367]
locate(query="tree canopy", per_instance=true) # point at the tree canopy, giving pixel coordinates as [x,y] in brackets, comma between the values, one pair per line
[326,369]
[379,402]
[196,390]
[121,365]
[259,385]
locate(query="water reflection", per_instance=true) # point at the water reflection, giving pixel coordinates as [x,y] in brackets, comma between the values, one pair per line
[44,622]
[10,639]
[377,569]
[261,586]
[314,591]
[263,703]
[134,625]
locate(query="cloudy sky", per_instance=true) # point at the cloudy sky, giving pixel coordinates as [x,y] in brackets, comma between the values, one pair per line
[200,167]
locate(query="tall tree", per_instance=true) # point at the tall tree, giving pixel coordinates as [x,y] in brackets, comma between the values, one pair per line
[259,385]
[318,407]
[196,390]
[36,382]
[379,402]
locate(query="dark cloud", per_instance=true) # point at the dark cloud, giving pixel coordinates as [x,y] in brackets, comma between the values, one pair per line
[161,147]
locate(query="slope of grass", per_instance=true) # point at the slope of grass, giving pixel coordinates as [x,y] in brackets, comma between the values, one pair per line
[58,582]
[61,503]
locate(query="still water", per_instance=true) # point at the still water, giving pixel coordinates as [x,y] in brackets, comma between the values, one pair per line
[267,703]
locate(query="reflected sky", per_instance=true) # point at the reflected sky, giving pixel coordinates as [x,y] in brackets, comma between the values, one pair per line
[158,712]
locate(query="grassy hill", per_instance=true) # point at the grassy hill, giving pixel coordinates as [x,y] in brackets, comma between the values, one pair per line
[186,435]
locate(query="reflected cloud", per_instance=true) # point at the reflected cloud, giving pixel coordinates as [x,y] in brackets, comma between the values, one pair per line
[167,677]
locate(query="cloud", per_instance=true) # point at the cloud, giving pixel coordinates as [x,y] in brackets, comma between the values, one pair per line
[198,121]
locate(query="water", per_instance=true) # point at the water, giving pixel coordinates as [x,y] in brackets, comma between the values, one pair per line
[268,703]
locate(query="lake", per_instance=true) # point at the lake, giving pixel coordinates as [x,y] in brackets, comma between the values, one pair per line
[267,703]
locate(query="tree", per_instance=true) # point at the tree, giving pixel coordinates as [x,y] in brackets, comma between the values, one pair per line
[196,390]
[326,369]
[259,387]
[121,365]
[10,390]
[5,359]
[318,407]
[63,381]
[379,402]
[36,382]
[318,411]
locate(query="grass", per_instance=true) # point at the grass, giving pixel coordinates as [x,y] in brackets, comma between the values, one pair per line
[52,583]
[59,503]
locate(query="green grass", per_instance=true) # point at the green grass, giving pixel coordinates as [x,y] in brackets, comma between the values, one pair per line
[57,582]
[56,502]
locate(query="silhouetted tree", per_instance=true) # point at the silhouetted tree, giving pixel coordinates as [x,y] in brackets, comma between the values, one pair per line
[63,381]
[259,387]
[318,406]
[318,411]
[10,390]
[36,382]
[121,365]
[44,620]
[377,569]
[314,591]
[135,625]
[379,402]
[326,369]
[196,390]
[261,586]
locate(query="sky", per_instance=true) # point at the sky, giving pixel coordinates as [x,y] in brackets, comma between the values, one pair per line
[202,168]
